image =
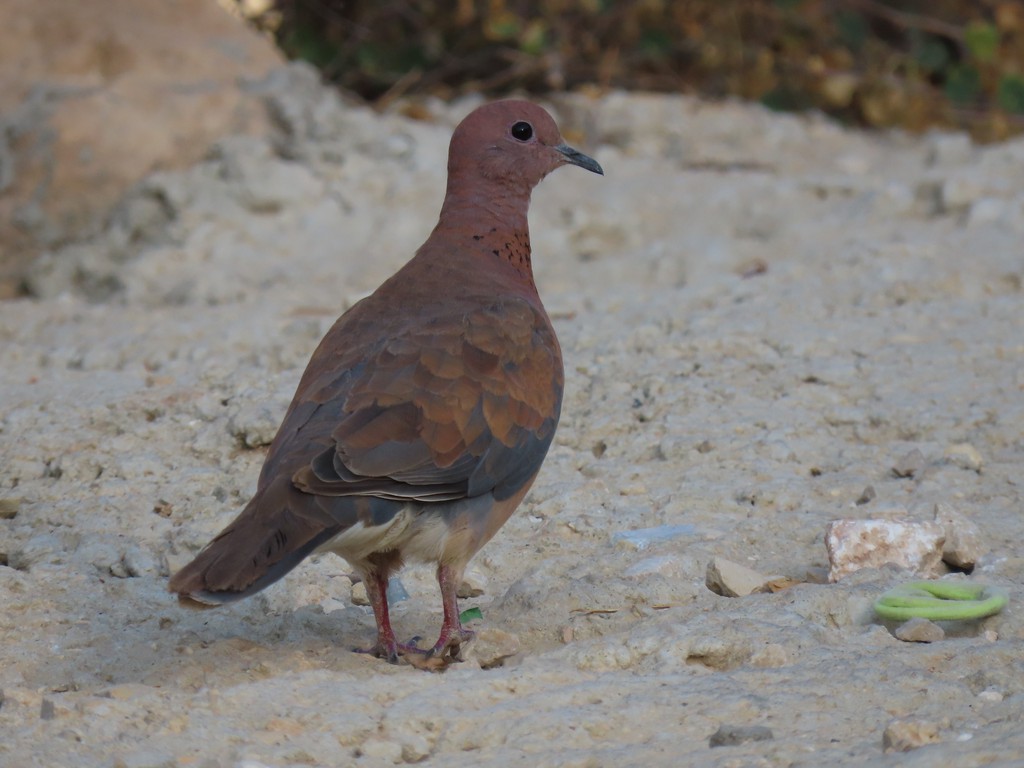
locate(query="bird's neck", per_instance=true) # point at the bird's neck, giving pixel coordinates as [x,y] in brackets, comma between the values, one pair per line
[495,225]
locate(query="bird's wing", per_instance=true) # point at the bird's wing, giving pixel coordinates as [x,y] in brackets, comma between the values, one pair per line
[463,404]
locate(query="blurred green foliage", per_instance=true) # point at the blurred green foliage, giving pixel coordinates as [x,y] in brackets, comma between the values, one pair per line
[906,63]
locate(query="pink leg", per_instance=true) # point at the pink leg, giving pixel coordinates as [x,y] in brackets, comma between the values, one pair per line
[453,634]
[386,646]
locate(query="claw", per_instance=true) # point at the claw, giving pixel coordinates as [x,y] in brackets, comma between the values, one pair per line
[391,652]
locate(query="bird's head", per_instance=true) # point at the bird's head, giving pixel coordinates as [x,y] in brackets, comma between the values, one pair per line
[514,143]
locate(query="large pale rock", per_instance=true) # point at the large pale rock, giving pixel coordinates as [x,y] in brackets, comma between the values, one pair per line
[856,544]
[97,94]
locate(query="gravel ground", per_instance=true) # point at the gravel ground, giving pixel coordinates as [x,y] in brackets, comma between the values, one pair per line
[760,314]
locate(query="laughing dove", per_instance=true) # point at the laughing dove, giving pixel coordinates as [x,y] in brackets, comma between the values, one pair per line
[425,412]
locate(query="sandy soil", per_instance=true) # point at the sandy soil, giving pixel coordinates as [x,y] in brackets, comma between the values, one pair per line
[760,315]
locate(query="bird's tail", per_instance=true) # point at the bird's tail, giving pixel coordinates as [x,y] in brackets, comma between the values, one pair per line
[276,531]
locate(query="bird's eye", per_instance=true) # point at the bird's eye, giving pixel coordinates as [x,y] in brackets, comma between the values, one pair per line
[522,131]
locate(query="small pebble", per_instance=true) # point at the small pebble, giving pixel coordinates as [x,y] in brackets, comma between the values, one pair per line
[905,735]
[473,584]
[490,647]
[46,710]
[139,561]
[359,594]
[992,695]
[731,735]
[9,508]
[965,456]
[919,630]
[963,545]
[909,464]
[866,495]
[724,577]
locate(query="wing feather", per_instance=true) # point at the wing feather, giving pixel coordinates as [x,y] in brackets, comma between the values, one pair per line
[459,406]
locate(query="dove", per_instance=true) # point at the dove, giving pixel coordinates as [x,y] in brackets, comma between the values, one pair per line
[425,413]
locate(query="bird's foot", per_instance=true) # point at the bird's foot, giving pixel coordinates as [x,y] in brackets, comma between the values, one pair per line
[445,651]
[391,651]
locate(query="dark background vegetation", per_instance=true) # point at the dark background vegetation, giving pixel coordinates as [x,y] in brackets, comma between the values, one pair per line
[880,63]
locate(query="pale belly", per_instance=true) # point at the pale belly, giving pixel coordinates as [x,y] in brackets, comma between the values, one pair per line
[416,535]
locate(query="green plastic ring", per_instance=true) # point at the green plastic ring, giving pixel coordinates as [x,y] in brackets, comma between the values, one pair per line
[941,601]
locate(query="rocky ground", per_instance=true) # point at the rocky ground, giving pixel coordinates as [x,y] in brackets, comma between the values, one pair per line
[761,316]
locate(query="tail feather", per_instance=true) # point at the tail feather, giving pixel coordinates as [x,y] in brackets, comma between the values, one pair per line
[276,531]
[188,589]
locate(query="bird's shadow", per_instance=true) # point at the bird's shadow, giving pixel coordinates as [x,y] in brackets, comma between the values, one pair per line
[141,635]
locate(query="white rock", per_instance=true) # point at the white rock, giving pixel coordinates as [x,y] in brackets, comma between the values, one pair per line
[856,544]
[724,577]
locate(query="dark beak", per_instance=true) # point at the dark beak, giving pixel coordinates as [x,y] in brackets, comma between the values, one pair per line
[576,157]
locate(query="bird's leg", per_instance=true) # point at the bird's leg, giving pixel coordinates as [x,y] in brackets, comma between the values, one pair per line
[386,646]
[376,582]
[453,634]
